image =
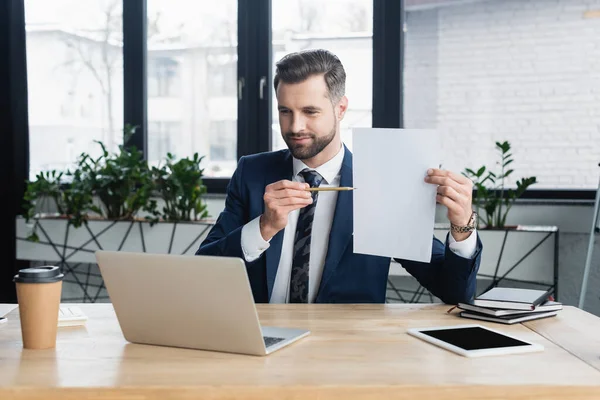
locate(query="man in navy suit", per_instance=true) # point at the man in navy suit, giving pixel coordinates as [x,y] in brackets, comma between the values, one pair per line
[297,244]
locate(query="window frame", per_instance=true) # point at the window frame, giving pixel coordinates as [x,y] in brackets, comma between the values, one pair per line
[253,71]
[254,76]
[14,136]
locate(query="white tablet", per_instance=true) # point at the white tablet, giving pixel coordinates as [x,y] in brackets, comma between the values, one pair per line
[474,340]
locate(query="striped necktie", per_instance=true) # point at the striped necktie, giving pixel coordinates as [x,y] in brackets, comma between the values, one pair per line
[299,274]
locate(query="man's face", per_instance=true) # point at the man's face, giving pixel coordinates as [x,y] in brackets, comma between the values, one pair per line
[309,121]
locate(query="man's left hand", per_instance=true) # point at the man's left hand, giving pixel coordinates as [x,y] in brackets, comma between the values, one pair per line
[455,191]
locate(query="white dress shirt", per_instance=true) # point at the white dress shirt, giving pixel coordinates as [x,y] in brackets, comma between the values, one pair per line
[253,245]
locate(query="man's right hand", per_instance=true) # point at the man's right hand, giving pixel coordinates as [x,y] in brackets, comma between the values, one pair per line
[281,198]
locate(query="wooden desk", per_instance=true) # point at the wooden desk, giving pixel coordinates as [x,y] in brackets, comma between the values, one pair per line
[354,351]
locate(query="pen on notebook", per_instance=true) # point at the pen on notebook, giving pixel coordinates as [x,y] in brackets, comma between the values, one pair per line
[329,189]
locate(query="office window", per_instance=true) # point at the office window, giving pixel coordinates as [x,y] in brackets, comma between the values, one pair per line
[522,71]
[222,142]
[192,79]
[164,77]
[223,73]
[344,27]
[75,79]
[164,135]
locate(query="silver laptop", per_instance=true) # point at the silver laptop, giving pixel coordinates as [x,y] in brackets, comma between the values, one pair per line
[198,302]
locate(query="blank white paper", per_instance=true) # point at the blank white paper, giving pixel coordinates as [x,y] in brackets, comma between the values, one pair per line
[394,208]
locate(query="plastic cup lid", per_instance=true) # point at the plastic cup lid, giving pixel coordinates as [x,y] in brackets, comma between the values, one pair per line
[46,274]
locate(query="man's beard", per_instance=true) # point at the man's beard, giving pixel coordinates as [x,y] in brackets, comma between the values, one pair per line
[307,151]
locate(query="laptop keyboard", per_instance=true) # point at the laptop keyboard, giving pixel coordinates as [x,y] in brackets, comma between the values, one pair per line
[270,341]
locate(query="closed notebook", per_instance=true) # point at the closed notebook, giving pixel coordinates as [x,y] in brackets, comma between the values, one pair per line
[71,316]
[512,298]
[508,319]
[547,306]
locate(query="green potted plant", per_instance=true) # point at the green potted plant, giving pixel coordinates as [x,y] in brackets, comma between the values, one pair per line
[179,184]
[490,192]
[118,186]
[71,198]
[122,181]
[44,192]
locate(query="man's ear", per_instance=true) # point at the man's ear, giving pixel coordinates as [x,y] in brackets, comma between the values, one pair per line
[341,108]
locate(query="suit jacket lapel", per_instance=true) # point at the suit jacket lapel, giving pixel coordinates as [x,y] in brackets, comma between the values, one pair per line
[273,253]
[342,226]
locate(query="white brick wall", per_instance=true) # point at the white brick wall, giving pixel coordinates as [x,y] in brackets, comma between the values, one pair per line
[526,71]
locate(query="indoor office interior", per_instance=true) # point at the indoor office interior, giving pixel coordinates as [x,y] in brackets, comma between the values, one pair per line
[132,88]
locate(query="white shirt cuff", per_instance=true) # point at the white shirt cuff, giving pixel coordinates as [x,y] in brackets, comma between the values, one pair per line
[465,248]
[253,244]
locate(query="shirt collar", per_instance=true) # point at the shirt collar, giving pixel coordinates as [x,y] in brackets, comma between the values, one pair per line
[328,171]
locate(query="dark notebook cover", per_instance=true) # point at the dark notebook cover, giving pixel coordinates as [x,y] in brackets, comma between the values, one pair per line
[512,298]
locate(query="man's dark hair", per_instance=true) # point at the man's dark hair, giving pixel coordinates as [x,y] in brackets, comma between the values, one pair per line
[299,66]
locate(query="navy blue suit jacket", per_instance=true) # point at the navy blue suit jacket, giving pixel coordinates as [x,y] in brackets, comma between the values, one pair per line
[347,277]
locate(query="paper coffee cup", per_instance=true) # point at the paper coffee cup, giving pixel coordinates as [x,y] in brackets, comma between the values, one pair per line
[38,295]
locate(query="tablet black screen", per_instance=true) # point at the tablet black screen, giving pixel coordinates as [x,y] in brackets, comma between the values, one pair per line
[474,338]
